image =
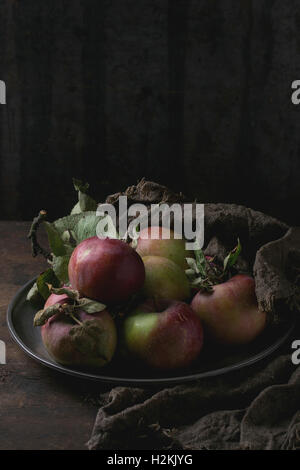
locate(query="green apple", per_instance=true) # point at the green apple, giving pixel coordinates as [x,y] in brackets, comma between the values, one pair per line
[164,279]
[164,334]
[161,241]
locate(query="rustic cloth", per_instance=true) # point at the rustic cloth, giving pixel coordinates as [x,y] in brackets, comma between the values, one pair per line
[253,408]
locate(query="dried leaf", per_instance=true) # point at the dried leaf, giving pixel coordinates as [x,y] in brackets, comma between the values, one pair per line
[42,316]
[89,305]
[90,339]
[71,293]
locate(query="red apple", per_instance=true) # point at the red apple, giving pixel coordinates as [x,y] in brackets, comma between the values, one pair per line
[164,279]
[230,313]
[59,341]
[165,335]
[161,241]
[107,270]
[57,299]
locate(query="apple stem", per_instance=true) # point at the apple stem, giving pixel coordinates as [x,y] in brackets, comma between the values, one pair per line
[75,319]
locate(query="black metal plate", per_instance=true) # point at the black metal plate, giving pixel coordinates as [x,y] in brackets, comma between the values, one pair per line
[212,361]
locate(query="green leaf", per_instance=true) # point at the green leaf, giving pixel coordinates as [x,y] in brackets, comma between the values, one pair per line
[200,262]
[106,228]
[34,297]
[42,316]
[203,284]
[192,264]
[69,222]
[90,306]
[76,209]
[85,202]
[66,237]
[55,240]
[190,272]
[232,257]
[134,243]
[60,267]
[47,277]
[80,186]
[86,227]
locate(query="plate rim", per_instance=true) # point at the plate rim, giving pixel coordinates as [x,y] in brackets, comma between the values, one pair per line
[134,381]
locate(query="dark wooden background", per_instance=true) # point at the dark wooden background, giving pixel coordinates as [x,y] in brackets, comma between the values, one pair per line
[194,94]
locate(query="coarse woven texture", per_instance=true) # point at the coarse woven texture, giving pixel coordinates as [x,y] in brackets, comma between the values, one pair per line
[254,408]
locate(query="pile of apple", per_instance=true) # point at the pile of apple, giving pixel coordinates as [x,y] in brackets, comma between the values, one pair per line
[165,318]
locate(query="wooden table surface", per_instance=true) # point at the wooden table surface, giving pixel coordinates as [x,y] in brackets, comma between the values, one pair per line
[39,408]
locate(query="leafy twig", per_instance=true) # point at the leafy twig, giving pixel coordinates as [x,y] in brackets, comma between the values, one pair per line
[204,273]
[32,235]
[71,306]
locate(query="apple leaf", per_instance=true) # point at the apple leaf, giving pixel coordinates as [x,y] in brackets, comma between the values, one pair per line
[69,222]
[190,272]
[68,238]
[89,305]
[44,279]
[80,186]
[71,293]
[60,267]
[134,235]
[77,227]
[34,296]
[106,228]
[42,316]
[202,284]
[134,243]
[232,257]
[76,209]
[90,339]
[200,262]
[86,227]
[85,202]
[55,240]
[202,273]
[192,265]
